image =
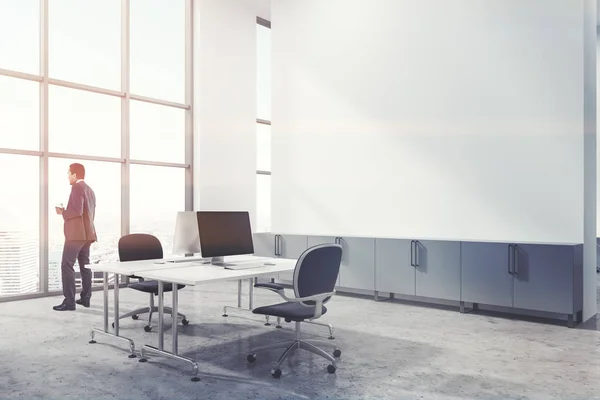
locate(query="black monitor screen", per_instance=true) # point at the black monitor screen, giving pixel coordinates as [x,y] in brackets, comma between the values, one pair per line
[225,233]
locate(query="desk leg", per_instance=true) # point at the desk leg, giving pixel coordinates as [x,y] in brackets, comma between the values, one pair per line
[160,350]
[251,283]
[105,332]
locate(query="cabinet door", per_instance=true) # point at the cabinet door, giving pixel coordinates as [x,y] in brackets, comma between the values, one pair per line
[438,269]
[292,246]
[486,276]
[264,244]
[543,278]
[358,263]
[315,240]
[393,272]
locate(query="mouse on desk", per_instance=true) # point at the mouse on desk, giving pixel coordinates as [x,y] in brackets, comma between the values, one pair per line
[159,262]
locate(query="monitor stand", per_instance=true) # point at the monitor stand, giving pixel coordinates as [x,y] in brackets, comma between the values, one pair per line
[186,258]
[220,261]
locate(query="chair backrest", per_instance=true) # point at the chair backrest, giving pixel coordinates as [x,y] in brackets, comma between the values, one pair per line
[139,246]
[317,271]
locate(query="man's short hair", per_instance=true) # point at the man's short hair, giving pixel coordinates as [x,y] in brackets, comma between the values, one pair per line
[78,170]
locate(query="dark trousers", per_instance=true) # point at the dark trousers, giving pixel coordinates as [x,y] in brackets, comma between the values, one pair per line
[76,250]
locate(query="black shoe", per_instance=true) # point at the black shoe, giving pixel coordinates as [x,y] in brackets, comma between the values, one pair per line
[83,302]
[63,307]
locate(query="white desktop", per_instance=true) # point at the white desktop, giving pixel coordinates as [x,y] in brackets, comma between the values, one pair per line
[186,241]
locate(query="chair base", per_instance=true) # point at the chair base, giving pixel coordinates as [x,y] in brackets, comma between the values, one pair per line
[151,310]
[291,345]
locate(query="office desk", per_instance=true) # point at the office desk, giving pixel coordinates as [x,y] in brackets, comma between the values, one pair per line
[125,268]
[193,276]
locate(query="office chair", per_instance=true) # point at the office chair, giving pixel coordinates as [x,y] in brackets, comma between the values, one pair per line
[141,246]
[315,275]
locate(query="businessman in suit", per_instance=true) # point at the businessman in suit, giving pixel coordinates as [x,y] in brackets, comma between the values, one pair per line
[80,233]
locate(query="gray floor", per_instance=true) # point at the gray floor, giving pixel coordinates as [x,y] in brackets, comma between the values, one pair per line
[390,351]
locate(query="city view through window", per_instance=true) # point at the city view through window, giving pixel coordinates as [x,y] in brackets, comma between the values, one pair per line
[70,92]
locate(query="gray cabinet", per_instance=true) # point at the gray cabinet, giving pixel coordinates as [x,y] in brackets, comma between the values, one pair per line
[358,263]
[264,244]
[291,246]
[393,270]
[437,266]
[486,274]
[543,277]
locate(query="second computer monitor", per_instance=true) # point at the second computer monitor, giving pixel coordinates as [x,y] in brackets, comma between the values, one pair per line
[225,233]
[186,240]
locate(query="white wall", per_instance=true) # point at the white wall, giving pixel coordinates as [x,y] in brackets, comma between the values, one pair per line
[225,104]
[458,119]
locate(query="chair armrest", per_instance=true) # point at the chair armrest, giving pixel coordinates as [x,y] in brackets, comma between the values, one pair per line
[317,298]
[271,286]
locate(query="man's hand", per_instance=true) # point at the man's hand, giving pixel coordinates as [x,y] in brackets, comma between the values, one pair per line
[59,210]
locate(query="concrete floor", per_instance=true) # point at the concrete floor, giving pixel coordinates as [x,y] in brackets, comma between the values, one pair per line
[391,350]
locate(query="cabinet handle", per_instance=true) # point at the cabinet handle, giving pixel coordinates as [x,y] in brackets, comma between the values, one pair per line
[416,253]
[277,245]
[510,258]
[412,253]
[515,260]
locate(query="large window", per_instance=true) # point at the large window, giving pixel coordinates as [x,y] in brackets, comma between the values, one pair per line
[157,194]
[19,226]
[263,127]
[102,83]
[158,49]
[19,113]
[20,33]
[83,122]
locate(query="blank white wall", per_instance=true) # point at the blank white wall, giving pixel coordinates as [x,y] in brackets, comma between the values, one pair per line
[458,119]
[225,105]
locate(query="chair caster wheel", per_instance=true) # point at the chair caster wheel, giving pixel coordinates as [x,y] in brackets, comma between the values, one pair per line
[331,368]
[143,360]
[147,328]
[185,322]
[132,356]
[195,379]
[337,353]
[225,315]
[251,358]
[276,373]
[92,342]
[135,317]
[331,337]
[113,324]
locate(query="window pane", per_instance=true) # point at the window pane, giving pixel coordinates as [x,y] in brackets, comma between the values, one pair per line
[263,57]
[82,122]
[157,132]
[19,114]
[157,194]
[19,226]
[157,46]
[105,179]
[85,42]
[263,203]
[20,33]
[263,147]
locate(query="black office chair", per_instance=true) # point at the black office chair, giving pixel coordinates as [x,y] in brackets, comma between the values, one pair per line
[315,275]
[141,246]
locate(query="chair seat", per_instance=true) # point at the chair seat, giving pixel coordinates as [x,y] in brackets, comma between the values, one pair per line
[291,311]
[152,287]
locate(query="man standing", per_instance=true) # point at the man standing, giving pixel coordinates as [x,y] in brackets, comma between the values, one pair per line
[80,233]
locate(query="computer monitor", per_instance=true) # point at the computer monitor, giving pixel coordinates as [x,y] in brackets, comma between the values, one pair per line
[224,233]
[186,240]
